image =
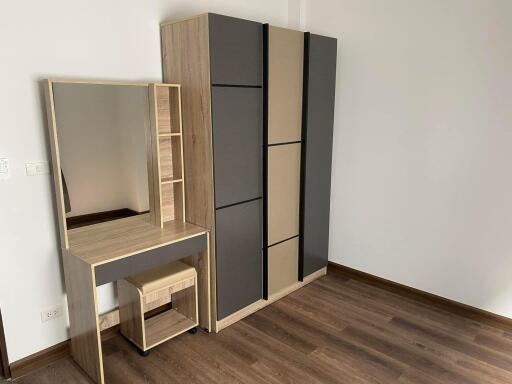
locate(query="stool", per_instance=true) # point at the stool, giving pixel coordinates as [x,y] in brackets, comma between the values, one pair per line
[175,283]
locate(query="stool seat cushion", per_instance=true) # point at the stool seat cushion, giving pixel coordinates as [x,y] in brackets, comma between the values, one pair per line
[161,277]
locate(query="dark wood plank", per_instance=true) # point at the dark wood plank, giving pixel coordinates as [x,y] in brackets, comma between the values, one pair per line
[471,349]
[335,330]
[453,307]
[41,359]
[498,343]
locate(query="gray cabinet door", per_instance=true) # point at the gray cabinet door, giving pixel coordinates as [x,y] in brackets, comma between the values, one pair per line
[237,139]
[236,51]
[238,257]
[321,79]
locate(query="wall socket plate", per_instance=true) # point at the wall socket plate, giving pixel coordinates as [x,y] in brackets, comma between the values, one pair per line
[37,168]
[51,313]
[4,169]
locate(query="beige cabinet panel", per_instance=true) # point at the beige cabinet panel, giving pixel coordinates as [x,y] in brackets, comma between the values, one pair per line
[283,267]
[285,74]
[283,192]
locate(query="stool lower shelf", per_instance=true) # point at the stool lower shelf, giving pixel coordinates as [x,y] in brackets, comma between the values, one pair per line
[165,326]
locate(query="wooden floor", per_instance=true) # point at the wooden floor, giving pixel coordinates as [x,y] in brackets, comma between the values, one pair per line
[335,330]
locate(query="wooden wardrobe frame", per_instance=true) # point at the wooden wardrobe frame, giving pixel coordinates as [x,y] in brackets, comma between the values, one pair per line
[186,59]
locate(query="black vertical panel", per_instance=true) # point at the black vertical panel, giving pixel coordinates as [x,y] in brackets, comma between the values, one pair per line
[305,88]
[319,93]
[265,161]
[238,130]
[235,51]
[238,258]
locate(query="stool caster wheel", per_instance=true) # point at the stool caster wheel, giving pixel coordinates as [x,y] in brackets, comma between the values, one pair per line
[192,331]
[144,353]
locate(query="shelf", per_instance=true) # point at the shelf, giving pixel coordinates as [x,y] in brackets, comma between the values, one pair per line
[169,135]
[167,101]
[170,158]
[170,180]
[165,326]
[172,200]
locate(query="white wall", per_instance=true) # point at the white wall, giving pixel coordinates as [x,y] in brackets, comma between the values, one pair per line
[421,185]
[95,39]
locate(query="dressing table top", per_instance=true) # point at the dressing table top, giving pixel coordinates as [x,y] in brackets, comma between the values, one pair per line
[106,242]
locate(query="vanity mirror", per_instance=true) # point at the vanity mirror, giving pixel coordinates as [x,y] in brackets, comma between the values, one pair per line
[117,152]
[103,132]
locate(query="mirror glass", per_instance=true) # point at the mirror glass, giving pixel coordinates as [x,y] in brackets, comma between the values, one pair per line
[102,131]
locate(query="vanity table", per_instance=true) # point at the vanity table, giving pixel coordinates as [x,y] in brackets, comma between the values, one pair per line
[111,251]
[117,150]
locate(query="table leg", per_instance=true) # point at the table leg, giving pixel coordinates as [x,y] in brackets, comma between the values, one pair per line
[83,317]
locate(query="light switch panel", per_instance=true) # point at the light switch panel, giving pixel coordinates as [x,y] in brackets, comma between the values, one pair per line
[39,168]
[4,169]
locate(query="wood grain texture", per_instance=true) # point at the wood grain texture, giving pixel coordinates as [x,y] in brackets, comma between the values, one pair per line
[131,313]
[167,163]
[168,207]
[163,110]
[463,310]
[175,109]
[106,242]
[185,57]
[166,159]
[185,302]
[285,76]
[166,326]
[101,82]
[109,320]
[170,152]
[83,316]
[56,168]
[40,359]
[201,262]
[283,265]
[283,192]
[250,309]
[153,158]
[337,329]
[165,293]
[179,200]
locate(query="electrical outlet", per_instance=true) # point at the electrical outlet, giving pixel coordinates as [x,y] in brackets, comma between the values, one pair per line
[4,169]
[51,313]
[38,168]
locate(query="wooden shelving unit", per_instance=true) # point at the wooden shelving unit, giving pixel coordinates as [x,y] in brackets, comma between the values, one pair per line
[168,185]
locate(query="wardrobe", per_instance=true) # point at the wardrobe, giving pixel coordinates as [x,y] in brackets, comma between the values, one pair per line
[258,105]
